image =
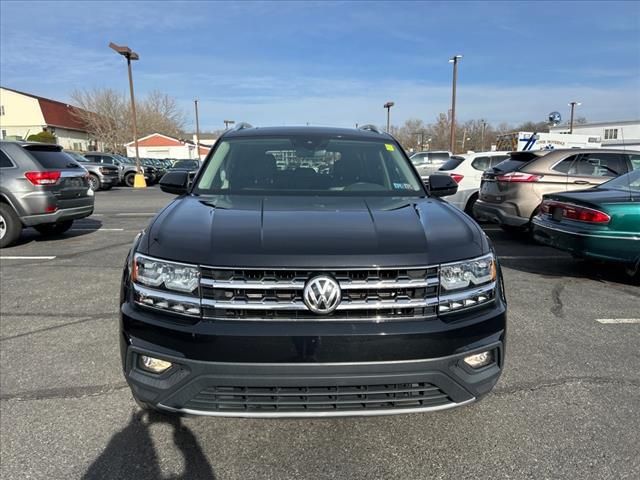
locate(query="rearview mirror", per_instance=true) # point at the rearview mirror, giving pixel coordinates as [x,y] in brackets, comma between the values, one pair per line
[440,185]
[175,182]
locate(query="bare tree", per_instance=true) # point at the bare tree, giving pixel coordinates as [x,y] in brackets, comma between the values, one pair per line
[107,115]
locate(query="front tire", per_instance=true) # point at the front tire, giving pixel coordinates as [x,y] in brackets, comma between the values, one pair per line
[51,229]
[94,182]
[10,225]
[129,179]
[469,208]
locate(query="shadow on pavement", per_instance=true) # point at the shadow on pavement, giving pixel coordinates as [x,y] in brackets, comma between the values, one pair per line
[79,228]
[514,248]
[131,454]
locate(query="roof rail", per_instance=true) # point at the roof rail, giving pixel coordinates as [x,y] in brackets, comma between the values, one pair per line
[370,128]
[242,126]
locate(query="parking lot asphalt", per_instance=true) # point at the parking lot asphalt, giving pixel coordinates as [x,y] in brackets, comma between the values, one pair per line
[567,405]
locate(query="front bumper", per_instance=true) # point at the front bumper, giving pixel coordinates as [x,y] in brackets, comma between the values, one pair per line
[503,214]
[265,369]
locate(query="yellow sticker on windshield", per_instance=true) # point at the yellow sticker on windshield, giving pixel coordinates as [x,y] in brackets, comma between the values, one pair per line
[389,147]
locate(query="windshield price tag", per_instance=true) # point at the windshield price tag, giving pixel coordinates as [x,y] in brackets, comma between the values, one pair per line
[389,147]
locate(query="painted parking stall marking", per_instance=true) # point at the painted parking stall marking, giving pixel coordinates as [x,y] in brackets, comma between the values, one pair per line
[608,321]
[28,257]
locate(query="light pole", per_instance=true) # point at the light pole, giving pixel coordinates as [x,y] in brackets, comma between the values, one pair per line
[452,140]
[129,54]
[573,106]
[388,106]
[227,123]
[484,126]
[197,130]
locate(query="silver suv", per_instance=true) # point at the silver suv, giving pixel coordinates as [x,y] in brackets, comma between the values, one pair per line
[511,192]
[40,187]
[101,177]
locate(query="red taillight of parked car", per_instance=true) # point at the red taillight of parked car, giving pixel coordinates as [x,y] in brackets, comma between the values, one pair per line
[575,212]
[518,177]
[457,177]
[43,178]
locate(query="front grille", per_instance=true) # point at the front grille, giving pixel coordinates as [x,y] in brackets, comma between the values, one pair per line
[367,294]
[318,399]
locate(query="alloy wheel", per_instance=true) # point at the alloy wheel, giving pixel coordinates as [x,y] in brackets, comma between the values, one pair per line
[3,227]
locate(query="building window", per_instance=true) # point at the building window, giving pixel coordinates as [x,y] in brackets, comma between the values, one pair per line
[610,133]
[1,109]
[4,135]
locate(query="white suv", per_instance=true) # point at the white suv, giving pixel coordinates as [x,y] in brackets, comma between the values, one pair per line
[467,170]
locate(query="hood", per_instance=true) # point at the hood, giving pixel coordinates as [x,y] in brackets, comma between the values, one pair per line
[329,232]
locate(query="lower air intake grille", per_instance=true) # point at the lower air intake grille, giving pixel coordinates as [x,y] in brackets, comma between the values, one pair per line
[319,399]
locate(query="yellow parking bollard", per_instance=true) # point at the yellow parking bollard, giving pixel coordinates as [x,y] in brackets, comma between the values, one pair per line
[138,181]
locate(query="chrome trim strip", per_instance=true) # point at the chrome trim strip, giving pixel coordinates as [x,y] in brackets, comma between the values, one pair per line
[470,292]
[166,295]
[355,305]
[323,269]
[289,285]
[326,414]
[608,237]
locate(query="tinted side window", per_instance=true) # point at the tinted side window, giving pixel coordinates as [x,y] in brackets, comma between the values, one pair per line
[5,162]
[496,159]
[634,158]
[481,163]
[452,163]
[565,165]
[52,159]
[600,165]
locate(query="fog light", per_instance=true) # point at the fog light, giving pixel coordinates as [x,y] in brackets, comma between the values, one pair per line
[479,360]
[154,365]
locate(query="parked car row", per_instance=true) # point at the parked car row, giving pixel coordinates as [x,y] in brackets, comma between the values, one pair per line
[584,201]
[41,187]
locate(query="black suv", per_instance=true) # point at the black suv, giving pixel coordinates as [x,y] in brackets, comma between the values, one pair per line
[309,272]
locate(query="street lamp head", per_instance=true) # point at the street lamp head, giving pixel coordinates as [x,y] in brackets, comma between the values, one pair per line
[574,103]
[455,58]
[124,51]
[389,104]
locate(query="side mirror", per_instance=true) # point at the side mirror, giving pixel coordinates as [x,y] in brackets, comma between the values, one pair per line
[175,182]
[440,185]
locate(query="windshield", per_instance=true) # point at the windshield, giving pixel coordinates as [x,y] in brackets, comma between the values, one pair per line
[191,164]
[439,156]
[629,182]
[313,165]
[77,157]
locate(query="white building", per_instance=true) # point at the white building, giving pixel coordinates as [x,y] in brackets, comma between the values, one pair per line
[161,146]
[624,134]
[23,114]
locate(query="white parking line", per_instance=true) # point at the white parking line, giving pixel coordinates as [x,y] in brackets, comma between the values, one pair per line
[145,214]
[531,257]
[617,320]
[27,257]
[97,229]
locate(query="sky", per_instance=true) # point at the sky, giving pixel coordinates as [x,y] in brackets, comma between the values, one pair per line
[335,63]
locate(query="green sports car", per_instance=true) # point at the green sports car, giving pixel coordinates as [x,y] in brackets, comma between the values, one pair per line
[601,223]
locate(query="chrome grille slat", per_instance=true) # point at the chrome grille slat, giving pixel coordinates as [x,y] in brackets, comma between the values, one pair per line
[299,285]
[373,294]
[355,305]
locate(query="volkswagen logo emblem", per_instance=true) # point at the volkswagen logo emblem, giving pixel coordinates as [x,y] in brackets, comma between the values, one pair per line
[322,294]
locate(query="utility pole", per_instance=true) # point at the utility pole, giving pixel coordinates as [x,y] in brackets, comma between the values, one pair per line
[452,139]
[573,106]
[197,130]
[227,123]
[129,54]
[484,126]
[388,106]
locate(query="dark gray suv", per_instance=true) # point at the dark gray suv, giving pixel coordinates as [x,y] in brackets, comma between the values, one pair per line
[40,187]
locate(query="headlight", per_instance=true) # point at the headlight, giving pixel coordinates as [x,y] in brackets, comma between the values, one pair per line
[456,276]
[467,284]
[158,273]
